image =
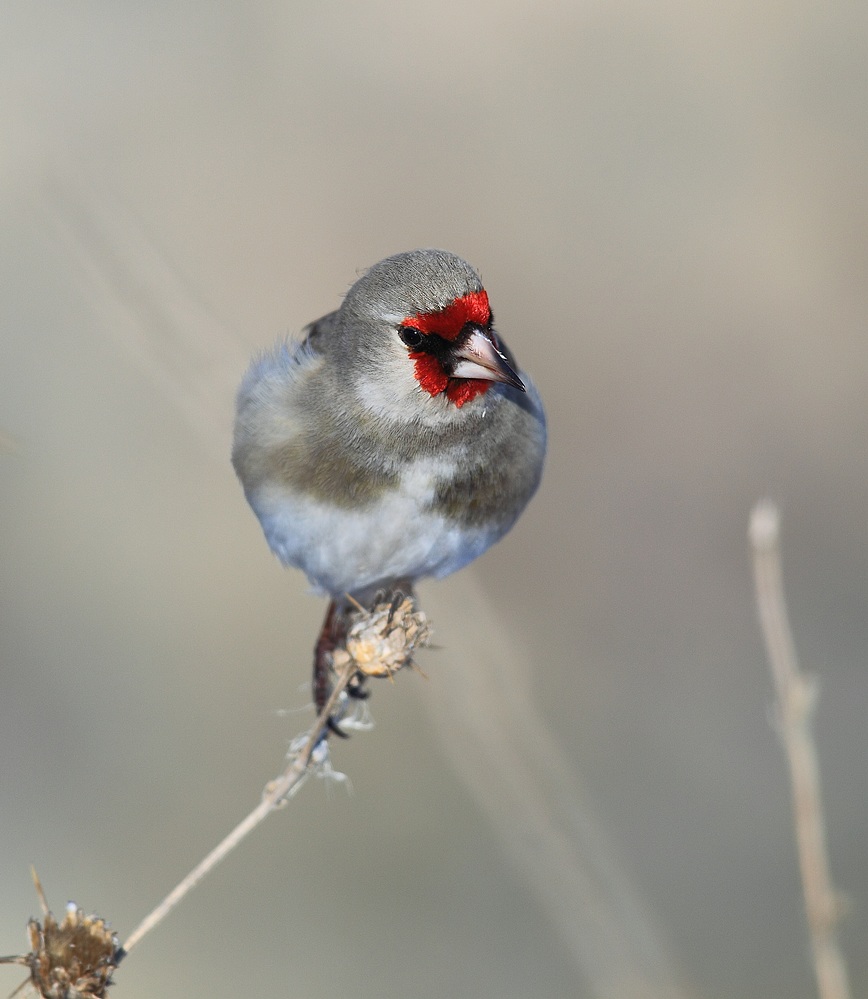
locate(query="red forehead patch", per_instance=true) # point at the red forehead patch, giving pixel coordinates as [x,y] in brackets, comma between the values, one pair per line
[448,323]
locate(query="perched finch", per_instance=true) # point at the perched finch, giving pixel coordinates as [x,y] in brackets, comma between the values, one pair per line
[398,440]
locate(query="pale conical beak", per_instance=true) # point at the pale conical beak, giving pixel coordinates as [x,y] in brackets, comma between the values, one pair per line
[479,357]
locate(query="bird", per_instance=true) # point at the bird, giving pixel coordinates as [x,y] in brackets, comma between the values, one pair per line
[396,440]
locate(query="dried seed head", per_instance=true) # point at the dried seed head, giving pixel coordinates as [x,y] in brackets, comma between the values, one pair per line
[382,641]
[73,959]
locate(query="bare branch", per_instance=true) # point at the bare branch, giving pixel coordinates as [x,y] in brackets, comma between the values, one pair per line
[276,792]
[796,697]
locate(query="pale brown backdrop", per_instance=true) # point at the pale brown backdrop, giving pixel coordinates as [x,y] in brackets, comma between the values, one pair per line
[668,204]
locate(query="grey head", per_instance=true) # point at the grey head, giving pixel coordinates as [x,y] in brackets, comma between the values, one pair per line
[408,284]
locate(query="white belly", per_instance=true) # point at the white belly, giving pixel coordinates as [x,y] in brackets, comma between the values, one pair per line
[353,550]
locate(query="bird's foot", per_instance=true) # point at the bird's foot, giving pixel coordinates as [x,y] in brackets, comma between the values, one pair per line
[374,640]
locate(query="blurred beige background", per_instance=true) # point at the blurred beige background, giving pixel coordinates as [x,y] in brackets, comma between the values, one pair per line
[668,205]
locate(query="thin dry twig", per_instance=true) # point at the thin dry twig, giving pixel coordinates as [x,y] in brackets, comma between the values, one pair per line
[796,697]
[275,794]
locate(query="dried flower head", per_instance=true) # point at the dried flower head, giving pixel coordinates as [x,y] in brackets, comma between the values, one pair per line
[382,640]
[73,959]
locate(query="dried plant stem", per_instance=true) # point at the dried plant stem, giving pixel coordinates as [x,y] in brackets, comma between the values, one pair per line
[796,696]
[275,794]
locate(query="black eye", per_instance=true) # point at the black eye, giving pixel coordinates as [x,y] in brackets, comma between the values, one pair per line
[410,335]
